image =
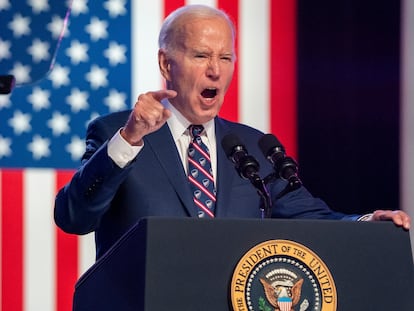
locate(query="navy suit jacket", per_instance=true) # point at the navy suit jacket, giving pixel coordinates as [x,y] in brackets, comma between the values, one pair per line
[109,200]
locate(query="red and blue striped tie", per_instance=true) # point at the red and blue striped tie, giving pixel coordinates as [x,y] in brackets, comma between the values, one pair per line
[200,174]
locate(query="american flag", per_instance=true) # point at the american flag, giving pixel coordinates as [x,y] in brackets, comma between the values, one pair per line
[44,121]
[104,58]
[70,69]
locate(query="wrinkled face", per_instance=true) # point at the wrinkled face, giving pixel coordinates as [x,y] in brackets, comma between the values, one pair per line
[200,68]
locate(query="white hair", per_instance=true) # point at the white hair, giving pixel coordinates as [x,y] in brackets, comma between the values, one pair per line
[170,28]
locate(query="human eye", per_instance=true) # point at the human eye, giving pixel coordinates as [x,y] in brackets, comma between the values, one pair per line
[227,58]
[200,55]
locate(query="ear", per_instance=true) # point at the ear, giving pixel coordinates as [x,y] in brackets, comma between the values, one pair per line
[164,64]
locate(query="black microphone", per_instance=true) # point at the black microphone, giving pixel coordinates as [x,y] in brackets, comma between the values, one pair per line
[246,165]
[284,166]
[248,168]
[7,84]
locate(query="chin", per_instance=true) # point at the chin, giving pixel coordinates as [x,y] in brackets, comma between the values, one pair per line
[202,118]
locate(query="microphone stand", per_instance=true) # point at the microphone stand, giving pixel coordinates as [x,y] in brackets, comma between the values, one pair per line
[247,167]
[266,201]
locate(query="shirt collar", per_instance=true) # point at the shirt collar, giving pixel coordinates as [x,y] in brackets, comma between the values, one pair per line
[178,124]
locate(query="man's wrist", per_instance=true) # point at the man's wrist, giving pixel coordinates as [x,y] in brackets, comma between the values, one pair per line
[120,151]
[135,143]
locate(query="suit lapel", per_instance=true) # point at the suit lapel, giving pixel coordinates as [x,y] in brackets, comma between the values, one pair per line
[163,146]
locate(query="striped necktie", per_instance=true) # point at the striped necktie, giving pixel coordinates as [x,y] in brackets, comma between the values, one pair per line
[200,174]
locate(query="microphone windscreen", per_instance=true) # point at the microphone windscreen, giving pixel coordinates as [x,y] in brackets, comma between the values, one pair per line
[268,142]
[229,142]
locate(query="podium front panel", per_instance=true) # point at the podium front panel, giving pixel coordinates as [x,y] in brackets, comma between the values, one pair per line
[188,264]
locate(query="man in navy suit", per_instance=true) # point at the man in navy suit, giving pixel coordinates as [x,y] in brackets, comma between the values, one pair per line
[135,164]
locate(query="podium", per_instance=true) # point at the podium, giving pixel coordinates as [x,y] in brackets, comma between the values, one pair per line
[190,264]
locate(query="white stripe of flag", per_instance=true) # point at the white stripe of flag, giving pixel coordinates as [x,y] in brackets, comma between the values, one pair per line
[254,63]
[39,250]
[39,240]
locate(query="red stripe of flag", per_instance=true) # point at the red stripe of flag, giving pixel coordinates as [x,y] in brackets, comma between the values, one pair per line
[67,270]
[12,240]
[230,108]
[283,73]
[171,5]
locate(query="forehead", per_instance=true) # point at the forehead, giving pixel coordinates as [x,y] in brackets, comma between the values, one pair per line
[206,31]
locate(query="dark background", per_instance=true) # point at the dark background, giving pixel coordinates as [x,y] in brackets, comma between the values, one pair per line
[348,102]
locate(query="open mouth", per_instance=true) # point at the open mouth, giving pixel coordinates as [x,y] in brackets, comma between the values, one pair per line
[209,93]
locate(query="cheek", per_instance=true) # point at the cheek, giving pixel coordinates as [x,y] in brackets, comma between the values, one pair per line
[227,77]
[230,76]
[185,79]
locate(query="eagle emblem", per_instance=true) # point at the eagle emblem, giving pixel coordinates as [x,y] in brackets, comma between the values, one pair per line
[283,293]
[278,275]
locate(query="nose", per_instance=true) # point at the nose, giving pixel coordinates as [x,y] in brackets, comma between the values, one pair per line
[213,68]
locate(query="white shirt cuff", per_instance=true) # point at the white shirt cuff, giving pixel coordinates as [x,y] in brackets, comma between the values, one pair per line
[120,151]
[366,217]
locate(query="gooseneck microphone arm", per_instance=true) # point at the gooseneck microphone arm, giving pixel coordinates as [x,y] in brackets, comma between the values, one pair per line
[284,167]
[248,168]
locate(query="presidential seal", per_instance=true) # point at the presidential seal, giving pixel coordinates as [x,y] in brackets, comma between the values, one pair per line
[282,275]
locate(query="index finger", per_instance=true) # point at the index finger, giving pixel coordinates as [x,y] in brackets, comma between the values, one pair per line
[161,94]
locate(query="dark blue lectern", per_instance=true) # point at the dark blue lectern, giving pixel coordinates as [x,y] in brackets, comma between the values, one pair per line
[188,264]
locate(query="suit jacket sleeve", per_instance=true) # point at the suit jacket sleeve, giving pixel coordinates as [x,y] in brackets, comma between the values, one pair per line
[80,205]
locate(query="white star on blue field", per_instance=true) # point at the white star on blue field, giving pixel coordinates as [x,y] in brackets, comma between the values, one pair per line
[69,69]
